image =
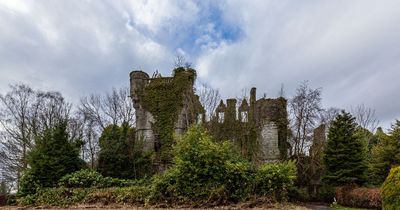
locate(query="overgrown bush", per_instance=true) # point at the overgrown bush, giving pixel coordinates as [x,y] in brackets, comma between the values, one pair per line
[360,197]
[324,193]
[62,196]
[275,179]
[391,190]
[203,171]
[123,195]
[92,178]
[28,184]
[82,178]
[11,199]
[55,196]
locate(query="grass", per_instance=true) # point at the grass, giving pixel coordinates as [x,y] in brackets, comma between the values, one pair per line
[339,207]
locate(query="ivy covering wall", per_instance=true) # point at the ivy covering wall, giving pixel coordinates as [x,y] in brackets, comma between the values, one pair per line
[163,98]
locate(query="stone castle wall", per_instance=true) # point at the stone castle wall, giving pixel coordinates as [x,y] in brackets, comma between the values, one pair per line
[268,117]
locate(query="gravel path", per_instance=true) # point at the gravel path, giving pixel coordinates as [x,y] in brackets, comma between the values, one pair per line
[317,207]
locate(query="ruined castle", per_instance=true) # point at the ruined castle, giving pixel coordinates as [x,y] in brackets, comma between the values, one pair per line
[166,106]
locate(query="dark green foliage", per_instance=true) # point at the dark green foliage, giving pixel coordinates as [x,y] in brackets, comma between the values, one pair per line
[82,178]
[91,178]
[28,184]
[55,196]
[391,190]
[208,172]
[134,195]
[11,200]
[203,171]
[275,179]
[62,196]
[54,156]
[120,155]
[345,153]
[385,154]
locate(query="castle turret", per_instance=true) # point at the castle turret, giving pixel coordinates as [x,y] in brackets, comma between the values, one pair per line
[138,81]
[144,119]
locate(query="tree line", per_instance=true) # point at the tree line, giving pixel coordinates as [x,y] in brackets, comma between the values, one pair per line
[27,116]
[102,125]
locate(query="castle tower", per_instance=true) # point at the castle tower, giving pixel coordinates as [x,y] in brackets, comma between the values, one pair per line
[144,119]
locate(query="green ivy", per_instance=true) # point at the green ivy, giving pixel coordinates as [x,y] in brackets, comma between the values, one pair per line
[163,99]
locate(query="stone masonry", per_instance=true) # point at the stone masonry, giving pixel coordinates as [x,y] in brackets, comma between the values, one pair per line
[269,116]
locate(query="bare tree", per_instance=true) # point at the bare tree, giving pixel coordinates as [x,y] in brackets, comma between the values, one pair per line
[96,112]
[48,109]
[112,108]
[180,61]
[305,108]
[209,98]
[25,113]
[17,136]
[328,115]
[365,117]
[87,131]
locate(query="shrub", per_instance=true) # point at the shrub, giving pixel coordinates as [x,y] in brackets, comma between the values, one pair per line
[55,196]
[28,184]
[203,171]
[391,190]
[11,199]
[275,179]
[123,195]
[92,178]
[324,193]
[62,196]
[360,197]
[82,178]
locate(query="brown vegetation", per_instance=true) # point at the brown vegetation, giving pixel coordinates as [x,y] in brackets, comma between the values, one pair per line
[359,197]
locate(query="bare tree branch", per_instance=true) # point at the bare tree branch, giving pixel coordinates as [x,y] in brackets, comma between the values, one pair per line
[365,117]
[305,108]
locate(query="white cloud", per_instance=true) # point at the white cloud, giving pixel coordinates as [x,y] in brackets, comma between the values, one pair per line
[350,48]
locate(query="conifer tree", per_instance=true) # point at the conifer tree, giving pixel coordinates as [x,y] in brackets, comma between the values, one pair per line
[385,154]
[120,155]
[345,153]
[53,156]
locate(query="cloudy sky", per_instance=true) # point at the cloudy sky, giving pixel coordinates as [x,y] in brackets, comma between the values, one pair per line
[349,48]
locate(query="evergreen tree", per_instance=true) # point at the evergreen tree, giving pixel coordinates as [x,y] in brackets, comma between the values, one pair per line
[345,153]
[385,154]
[120,156]
[53,156]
